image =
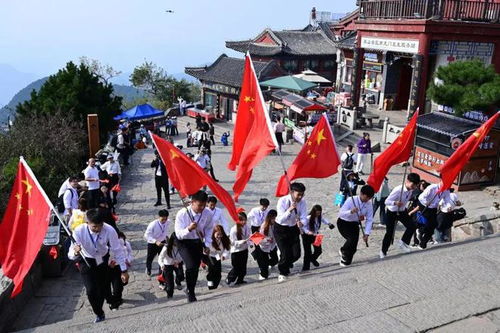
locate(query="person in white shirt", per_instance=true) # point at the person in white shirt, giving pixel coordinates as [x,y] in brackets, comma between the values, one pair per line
[396,204]
[92,178]
[266,252]
[429,201]
[292,215]
[115,273]
[257,215]
[94,240]
[193,227]
[239,251]
[355,210]
[70,197]
[348,159]
[310,230]
[114,172]
[170,261]
[156,236]
[219,251]
[218,216]
[445,216]
[202,159]
[279,128]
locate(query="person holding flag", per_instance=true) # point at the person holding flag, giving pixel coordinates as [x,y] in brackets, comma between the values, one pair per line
[396,204]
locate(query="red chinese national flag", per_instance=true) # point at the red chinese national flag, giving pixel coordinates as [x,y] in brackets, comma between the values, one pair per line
[23,226]
[318,157]
[253,134]
[187,176]
[398,152]
[453,165]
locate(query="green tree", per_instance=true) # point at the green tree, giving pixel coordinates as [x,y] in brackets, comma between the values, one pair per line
[466,86]
[164,88]
[77,92]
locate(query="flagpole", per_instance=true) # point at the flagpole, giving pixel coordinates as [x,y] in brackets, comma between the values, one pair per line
[49,203]
[355,206]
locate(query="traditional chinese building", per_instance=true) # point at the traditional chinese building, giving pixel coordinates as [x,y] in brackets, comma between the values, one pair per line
[221,82]
[294,50]
[397,45]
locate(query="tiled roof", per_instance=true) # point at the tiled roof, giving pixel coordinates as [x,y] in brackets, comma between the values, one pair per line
[229,71]
[446,124]
[348,41]
[293,42]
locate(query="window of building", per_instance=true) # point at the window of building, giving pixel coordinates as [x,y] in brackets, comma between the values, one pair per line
[290,65]
[329,64]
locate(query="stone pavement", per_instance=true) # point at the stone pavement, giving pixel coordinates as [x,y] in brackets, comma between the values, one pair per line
[403,293]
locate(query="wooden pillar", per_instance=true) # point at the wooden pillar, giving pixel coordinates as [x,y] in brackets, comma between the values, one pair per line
[93,134]
[416,84]
[357,71]
[423,50]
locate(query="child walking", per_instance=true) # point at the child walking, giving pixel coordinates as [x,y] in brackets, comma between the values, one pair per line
[310,231]
[170,261]
[267,252]
[219,250]
[239,251]
[115,273]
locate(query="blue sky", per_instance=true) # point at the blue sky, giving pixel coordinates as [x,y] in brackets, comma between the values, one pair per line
[40,36]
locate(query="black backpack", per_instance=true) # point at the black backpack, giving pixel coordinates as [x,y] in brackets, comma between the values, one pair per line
[60,201]
[348,162]
[114,141]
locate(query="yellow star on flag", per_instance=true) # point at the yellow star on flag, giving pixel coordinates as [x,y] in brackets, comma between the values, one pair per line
[20,207]
[249,99]
[252,109]
[309,143]
[29,211]
[320,137]
[313,155]
[174,154]
[28,186]
[18,196]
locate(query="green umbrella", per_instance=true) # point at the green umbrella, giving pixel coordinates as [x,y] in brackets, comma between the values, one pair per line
[289,82]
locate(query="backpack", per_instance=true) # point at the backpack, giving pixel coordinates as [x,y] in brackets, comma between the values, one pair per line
[60,201]
[114,141]
[348,162]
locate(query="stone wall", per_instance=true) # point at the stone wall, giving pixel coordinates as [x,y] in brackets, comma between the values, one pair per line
[11,307]
[479,226]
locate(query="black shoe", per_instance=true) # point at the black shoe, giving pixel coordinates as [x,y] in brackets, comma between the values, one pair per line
[216,180]
[315,263]
[304,269]
[169,207]
[158,204]
[98,319]
[291,266]
[241,282]
[191,298]
[170,295]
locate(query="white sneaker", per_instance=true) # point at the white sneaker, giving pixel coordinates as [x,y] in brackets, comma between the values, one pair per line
[381,255]
[404,247]
[281,278]
[342,264]
[210,283]
[261,278]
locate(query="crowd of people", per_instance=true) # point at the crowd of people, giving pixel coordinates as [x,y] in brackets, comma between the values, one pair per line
[202,239]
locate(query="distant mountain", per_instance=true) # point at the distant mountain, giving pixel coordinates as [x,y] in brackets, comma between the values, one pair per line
[127,92]
[11,81]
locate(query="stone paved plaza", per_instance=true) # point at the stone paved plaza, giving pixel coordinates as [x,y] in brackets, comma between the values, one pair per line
[403,293]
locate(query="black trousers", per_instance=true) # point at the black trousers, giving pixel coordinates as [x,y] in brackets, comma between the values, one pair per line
[116,284]
[380,204]
[191,251]
[161,183]
[212,139]
[168,275]
[350,231]
[311,252]
[239,263]
[97,283]
[288,241]
[390,223]
[214,272]
[428,229]
[279,139]
[266,259]
[153,251]
[93,198]
[124,154]
[254,229]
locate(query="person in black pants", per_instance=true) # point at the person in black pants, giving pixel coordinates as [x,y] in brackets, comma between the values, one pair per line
[211,131]
[207,146]
[193,228]
[310,231]
[161,180]
[396,204]
[266,253]
[156,236]
[355,210]
[219,251]
[292,215]
[239,251]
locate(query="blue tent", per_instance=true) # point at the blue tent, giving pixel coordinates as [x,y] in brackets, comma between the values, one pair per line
[140,112]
